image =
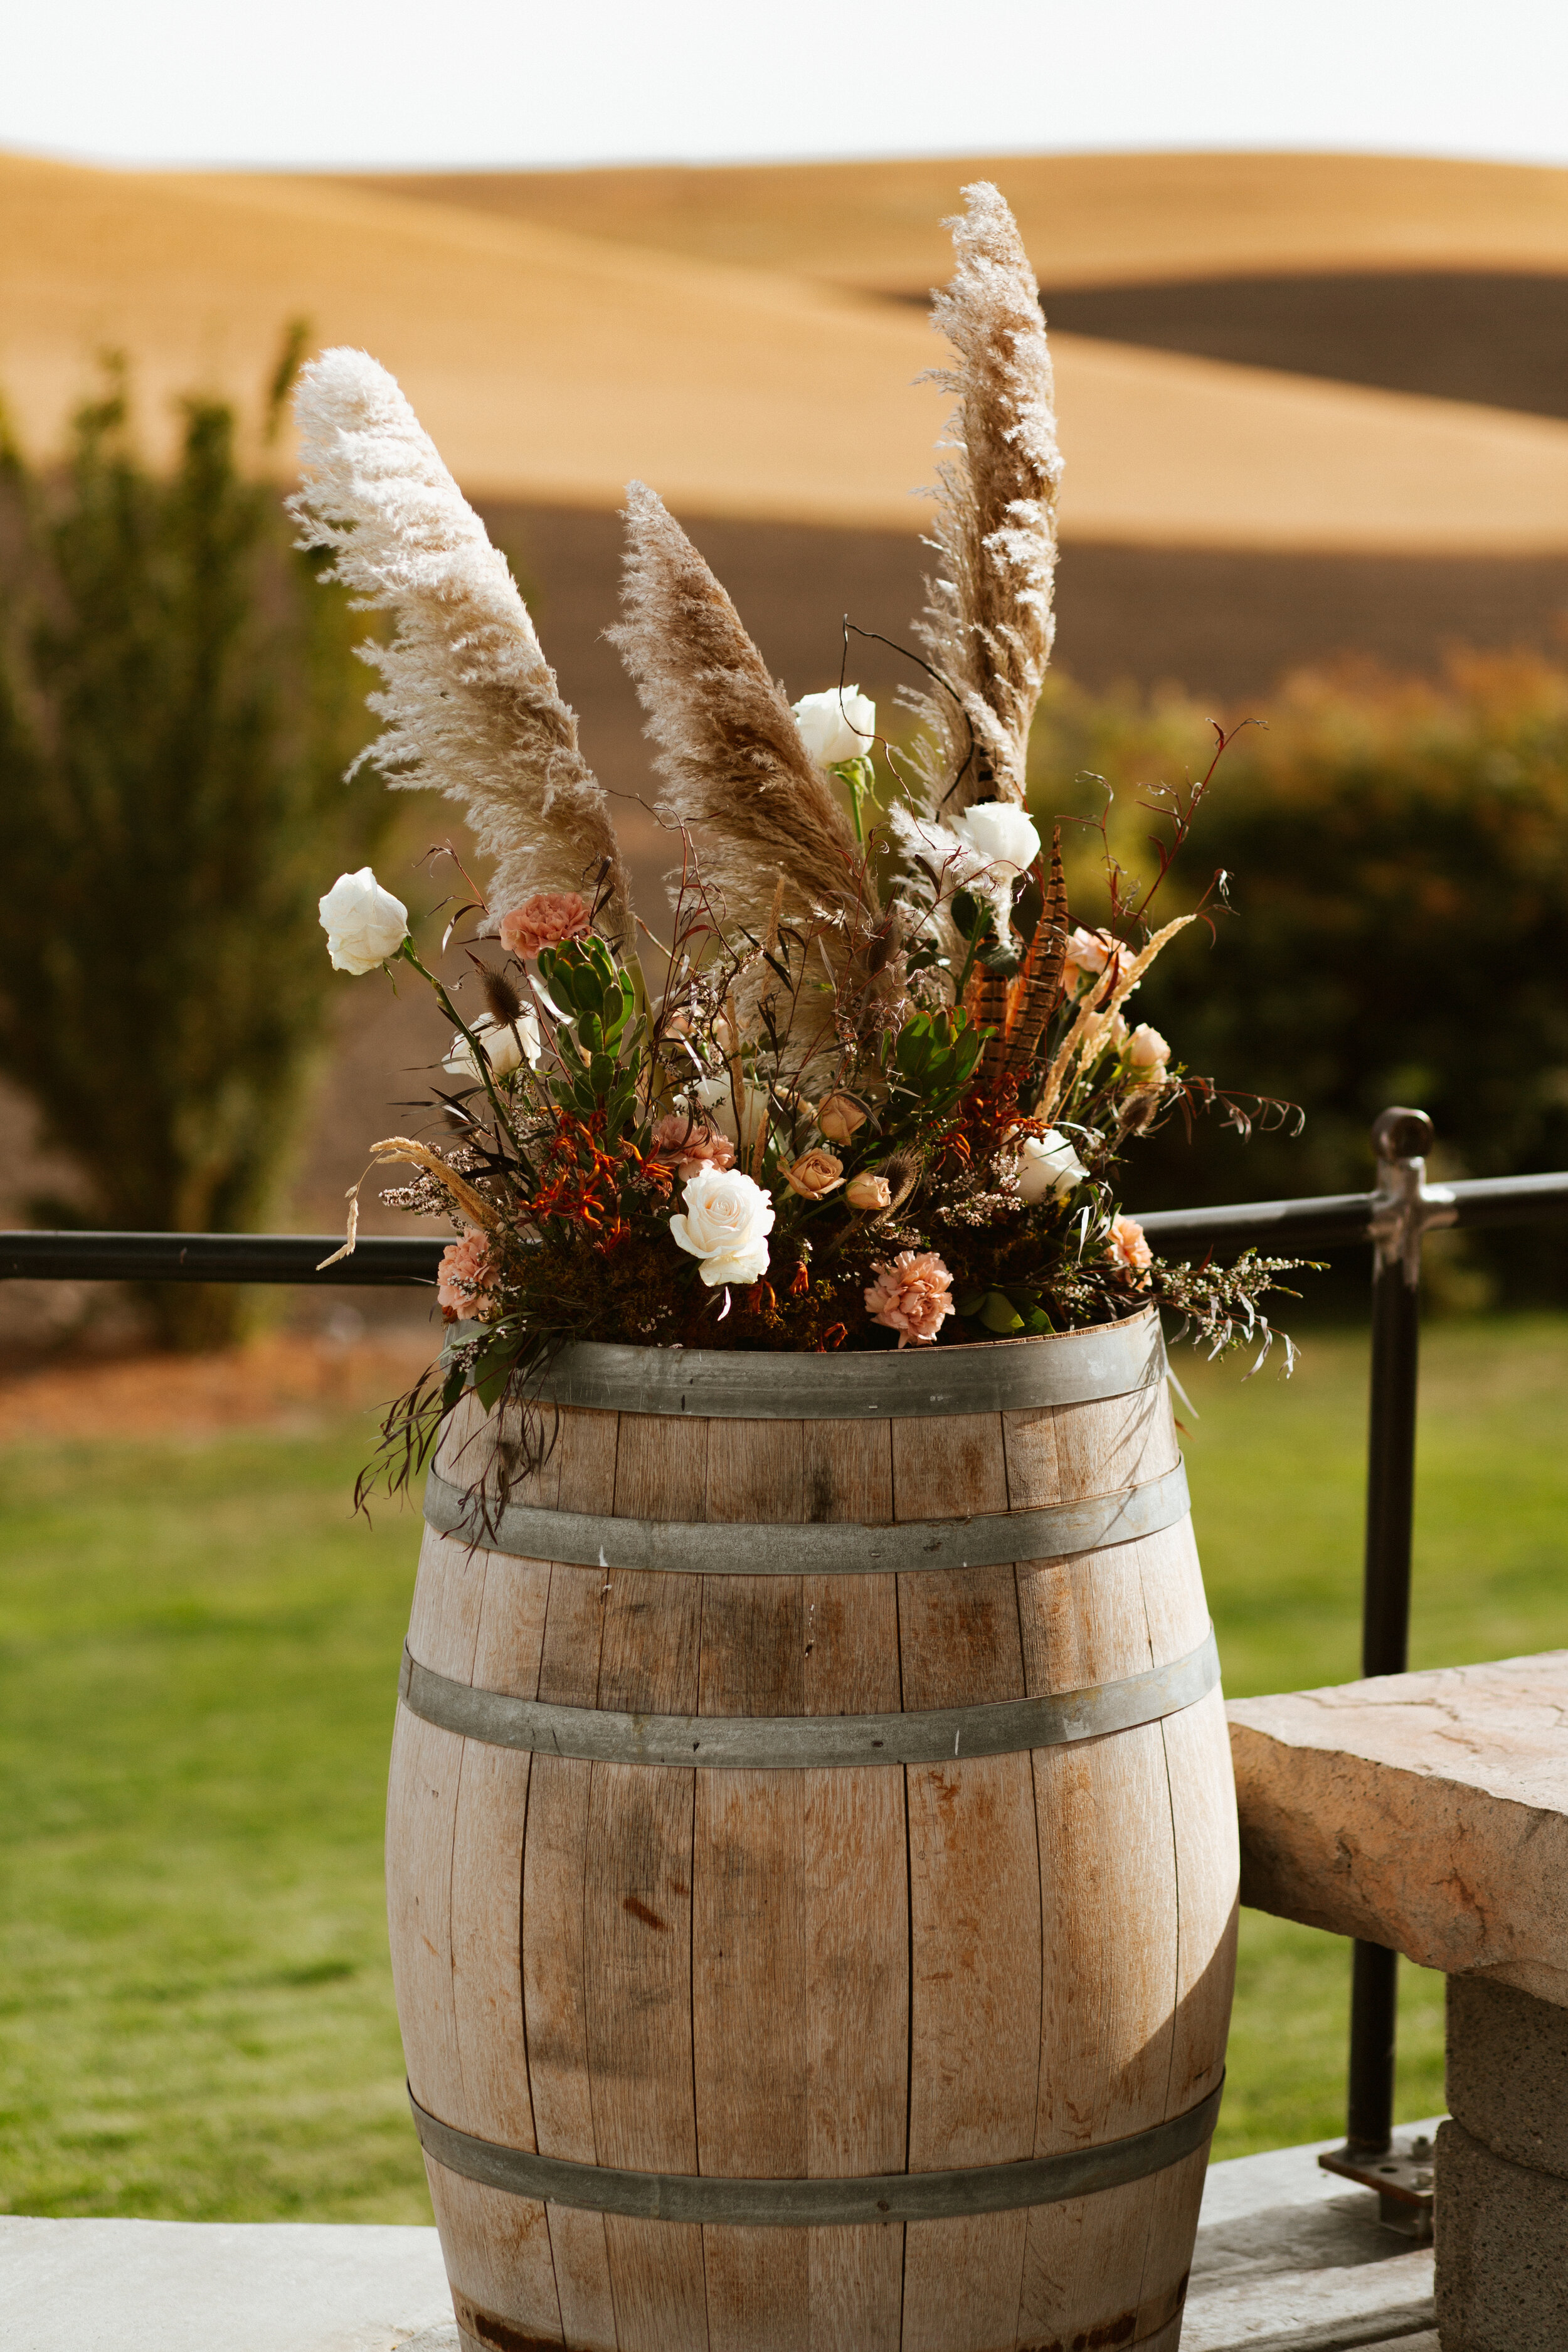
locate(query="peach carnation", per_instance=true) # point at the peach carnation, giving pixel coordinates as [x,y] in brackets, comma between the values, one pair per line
[461,1278]
[1127,1249]
[913,1296]
[543,922]
[689,1144]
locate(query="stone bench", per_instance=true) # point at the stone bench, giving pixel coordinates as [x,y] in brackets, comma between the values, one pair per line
[1429,1812]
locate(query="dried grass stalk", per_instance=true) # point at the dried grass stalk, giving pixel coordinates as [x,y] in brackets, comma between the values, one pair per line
[989,624]
[1094,1018]
[738,775]
[470,704]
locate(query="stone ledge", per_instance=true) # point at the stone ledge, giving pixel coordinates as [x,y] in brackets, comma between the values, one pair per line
[1287,2260]
[197,2286]
[1428,1811]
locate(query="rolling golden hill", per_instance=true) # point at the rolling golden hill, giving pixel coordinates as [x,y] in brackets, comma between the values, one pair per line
[1087,219]
[551,364]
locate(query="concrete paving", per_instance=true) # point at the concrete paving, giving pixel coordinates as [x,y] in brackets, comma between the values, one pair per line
[1288,2259]
[1291,2259]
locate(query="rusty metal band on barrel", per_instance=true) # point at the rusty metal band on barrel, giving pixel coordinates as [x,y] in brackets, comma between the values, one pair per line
[817,2204]
[773,1743]
[814,1548]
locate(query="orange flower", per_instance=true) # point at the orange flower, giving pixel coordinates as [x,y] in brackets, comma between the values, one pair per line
[1128,1252]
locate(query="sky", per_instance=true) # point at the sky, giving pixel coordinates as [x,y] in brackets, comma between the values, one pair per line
[381,83]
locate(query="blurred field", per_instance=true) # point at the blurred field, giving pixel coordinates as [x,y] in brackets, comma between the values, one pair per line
[552,364]
[198,1650]
[1088,220]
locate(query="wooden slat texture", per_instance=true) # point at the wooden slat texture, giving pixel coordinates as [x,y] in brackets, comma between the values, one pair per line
[818,1973]
[856,1897]
[1174,2198]
[748,1988]
[421,1818]
[1202,1797]
[637,1972]
[856,1947]
[1107,1878]
[637,1904]
[497,2253]
[487,1866]
[975,1902]
[555,1858]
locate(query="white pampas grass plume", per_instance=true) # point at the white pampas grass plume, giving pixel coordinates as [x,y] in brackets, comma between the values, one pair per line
[737,772]
[989,624]
[470,704]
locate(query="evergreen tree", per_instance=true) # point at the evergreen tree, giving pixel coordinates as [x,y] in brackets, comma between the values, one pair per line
[178,702]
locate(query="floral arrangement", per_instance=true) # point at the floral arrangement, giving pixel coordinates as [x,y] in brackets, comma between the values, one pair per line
[881,1093]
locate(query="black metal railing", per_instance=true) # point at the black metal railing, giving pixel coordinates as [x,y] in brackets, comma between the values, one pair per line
[1395,1218]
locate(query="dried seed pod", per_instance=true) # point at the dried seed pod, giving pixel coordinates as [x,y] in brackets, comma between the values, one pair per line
[505,1003]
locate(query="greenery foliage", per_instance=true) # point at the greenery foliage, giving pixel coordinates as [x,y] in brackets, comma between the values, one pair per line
[178,702]
[1397,859]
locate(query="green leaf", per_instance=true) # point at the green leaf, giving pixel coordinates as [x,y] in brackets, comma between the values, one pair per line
[999,1315]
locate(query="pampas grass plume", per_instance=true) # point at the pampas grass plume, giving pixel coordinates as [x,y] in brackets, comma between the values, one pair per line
[772,840]
[470,704]
[990,622]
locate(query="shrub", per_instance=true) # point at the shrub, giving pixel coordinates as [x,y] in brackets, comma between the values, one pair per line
[1397,851]
[178,702]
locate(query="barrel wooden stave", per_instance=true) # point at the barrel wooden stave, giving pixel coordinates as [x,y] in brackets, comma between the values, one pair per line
[786,2049]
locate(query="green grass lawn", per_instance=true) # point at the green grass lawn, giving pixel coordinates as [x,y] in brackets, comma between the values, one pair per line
[198,1649]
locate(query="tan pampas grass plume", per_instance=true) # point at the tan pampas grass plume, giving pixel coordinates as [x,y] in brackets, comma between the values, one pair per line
[470,704]
[737,773]
[989,624]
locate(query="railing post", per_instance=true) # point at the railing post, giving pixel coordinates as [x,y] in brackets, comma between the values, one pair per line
[1405,1209]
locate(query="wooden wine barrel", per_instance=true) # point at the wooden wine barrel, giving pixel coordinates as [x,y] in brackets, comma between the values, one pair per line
[811,1857]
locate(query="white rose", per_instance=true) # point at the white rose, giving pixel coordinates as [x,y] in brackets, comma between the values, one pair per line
[716,1097]
[363,923]
[727,1222]
[507,1046]
[1147,1050]
[999,833]
[1046,1163]
[838,725]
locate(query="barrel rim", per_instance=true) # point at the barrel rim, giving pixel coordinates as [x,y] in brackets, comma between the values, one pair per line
[1051,1367]
[847,2200]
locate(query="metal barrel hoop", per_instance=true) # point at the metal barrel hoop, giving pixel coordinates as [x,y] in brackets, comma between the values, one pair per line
[842,2202]
[1105,1360]
[774,1743]
[812,1547]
